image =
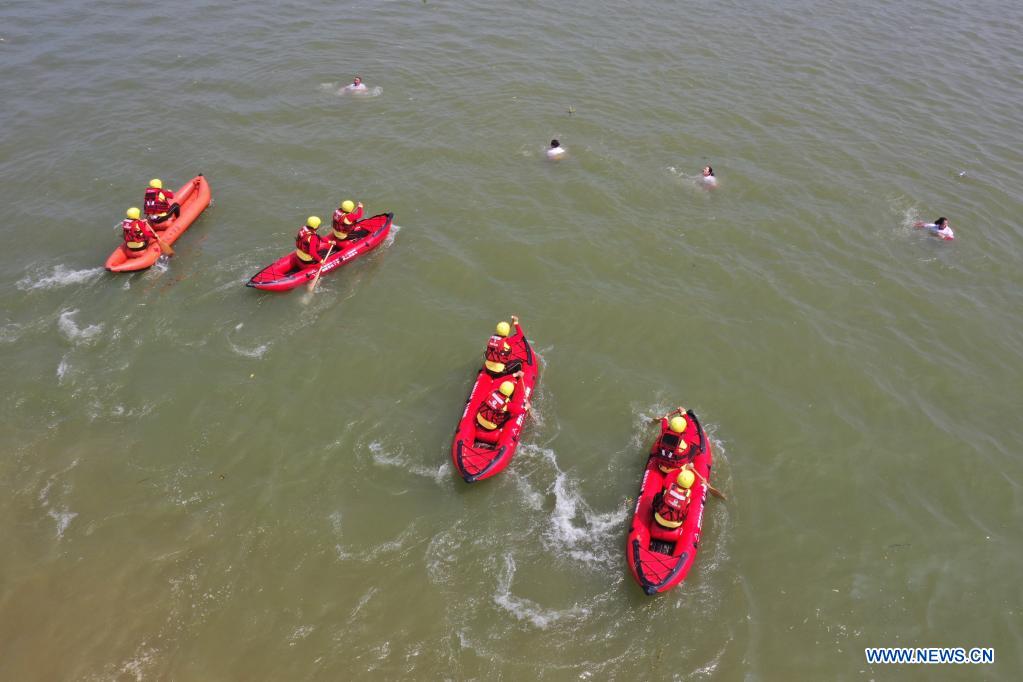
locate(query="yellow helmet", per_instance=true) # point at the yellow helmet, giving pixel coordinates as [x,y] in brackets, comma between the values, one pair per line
[313,221]
[507,388]
[503,328]
[678,424]
[347,206]
[686,478]
[156,183]
[133,213]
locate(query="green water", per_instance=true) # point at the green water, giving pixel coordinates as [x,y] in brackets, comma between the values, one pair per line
[199,481]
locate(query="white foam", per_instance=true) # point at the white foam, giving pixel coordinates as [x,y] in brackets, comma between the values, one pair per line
[63,517]
[363,600]
[395,229]
[301,632]
[62,368]
[578,531]
[256,353]
[44,494]
[443,554]
[61,276]
[9,333]
[398,459]
[74,333]
[335,521]
[138,664]
[574,529]
[532,498]
[374,553]
[358,93]
[691,181]
[526,609]
[161,266]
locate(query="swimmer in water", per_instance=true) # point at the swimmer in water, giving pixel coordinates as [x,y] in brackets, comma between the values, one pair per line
[555,151]
[939,228]
[357,85]
[708,177]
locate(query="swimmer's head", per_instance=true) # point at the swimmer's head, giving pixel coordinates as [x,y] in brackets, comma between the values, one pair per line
[708,172]
[941,222]
[357,81]
[555,144]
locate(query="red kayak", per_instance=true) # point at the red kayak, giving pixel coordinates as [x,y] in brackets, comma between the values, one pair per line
[660,557]
[193,198]
[283,275]
[479,453]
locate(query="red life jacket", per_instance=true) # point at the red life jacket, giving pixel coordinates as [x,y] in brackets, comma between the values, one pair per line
[136,236]
[493,410]
[671,511]
[307,242]
[156,201]
[344,222]
[672,446]
[497,354]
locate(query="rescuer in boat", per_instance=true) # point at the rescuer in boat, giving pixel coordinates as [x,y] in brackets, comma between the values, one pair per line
[497,409]
[308,244]
[671,504]
[136,232]
[345,217]
[497,356]
[157,203]
[672,450]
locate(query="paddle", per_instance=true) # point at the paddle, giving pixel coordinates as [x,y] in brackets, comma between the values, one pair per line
[312,285]
[714,491]
[165,248]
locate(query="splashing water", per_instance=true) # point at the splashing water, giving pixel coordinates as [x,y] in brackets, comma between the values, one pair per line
[349,90]
[61,276]
[526,609]
[74,333]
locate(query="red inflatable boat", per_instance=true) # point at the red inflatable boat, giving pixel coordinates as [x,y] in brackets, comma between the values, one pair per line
[282,275]
[193,198]
[479,453]
[659,557]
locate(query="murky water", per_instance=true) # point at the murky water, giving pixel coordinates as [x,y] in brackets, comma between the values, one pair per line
[201,481]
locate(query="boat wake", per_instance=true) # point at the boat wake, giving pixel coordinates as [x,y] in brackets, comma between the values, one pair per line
[397,458]
[528,610]
[60,276]
[255,353]
[395,229]
[574,530]
[63,516]
[75,334]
